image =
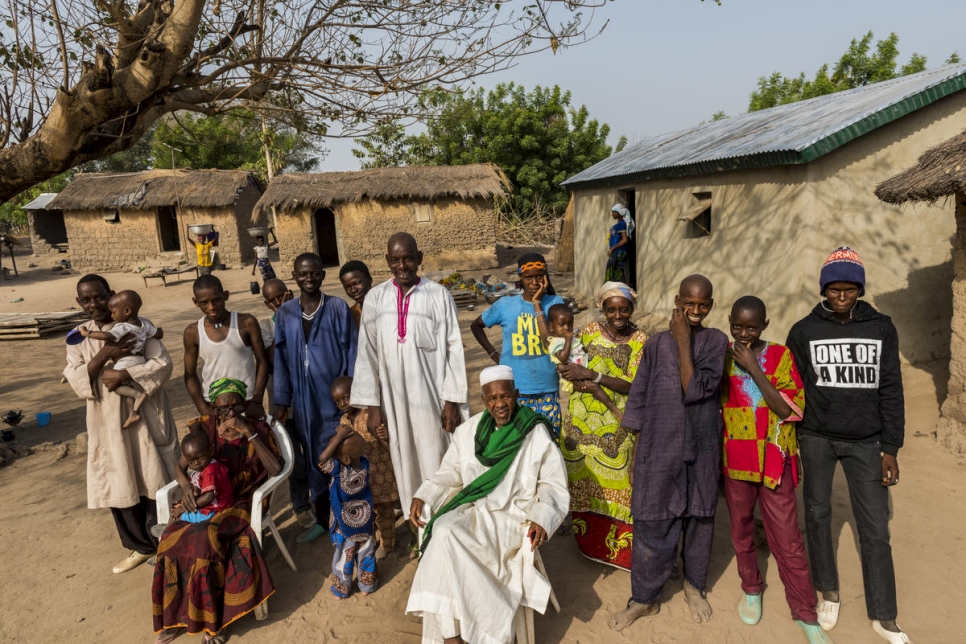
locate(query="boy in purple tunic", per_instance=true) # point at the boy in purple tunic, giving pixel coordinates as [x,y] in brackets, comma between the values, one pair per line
[673,407]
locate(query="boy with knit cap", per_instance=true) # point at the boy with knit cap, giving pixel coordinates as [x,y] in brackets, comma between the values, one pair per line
[848,355]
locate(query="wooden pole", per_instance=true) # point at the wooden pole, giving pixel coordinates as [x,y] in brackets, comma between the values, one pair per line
[12,258]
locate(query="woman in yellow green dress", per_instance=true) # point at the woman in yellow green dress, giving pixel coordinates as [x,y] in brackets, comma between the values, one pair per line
[596,447]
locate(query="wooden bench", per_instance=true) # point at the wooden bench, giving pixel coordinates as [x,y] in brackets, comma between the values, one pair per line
[164,274]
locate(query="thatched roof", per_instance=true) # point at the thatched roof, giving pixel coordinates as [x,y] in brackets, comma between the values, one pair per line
[941,171]
[154,189]
[417,183]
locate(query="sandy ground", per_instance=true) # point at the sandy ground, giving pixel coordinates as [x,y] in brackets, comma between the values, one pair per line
[56,555]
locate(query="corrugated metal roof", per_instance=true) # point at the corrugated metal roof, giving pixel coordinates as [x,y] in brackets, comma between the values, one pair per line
[784,135]
[40,203]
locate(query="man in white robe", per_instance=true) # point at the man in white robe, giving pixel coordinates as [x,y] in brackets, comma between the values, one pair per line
[410,371]
[477,568]
[125,467]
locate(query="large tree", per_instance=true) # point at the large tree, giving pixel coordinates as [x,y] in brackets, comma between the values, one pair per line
[80,81]
[228,142]
[538,138]
[858,66]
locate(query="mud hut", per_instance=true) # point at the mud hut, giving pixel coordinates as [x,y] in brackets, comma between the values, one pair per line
[120,221]
[758,200]
[451,210]
[940,176]
[48,235]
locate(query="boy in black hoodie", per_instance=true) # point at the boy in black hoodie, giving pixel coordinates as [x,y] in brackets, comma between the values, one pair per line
[848,356]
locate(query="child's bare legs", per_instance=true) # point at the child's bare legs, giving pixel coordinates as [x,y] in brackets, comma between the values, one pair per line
[385,528]
[132,390]
[602,396]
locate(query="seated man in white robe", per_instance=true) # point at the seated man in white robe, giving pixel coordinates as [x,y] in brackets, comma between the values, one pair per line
[499,493]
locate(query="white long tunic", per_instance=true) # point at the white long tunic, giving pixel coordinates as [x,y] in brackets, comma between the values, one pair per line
[411,380]
[478,568]
[125,464]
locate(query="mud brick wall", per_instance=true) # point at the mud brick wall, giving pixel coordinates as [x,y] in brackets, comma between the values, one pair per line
[951,430]
[98,245]
[460,235]
[39,223]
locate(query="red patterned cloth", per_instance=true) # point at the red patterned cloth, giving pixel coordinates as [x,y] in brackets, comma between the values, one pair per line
[604,539]
[756,441]
[210,574]
[216,478]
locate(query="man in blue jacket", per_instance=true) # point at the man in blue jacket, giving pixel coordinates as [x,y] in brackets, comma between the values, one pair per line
[848,356]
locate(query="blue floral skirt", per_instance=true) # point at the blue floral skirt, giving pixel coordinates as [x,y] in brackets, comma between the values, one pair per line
[547,404]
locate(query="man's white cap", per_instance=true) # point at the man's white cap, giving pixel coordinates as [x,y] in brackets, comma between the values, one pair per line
[492,374]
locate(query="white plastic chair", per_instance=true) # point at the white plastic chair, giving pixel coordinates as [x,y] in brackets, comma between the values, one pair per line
[262,498]
[523,620]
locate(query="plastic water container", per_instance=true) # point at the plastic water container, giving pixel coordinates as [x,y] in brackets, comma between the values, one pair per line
[43,418]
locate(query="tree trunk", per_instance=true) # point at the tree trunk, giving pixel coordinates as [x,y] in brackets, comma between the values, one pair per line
[108,109]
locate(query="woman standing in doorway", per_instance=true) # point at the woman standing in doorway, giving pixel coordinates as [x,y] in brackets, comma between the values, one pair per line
[618,260]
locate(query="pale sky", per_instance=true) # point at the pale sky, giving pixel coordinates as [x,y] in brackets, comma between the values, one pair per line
[664,65]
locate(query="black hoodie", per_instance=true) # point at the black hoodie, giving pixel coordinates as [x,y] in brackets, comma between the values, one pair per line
[853,382]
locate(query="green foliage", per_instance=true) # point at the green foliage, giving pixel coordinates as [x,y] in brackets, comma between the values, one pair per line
[538,138]
[386,147]
[719,116]
[232,141]
[858,66]
[953,58]
[12,215]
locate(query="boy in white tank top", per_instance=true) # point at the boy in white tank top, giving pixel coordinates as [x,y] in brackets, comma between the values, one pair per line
[228,343]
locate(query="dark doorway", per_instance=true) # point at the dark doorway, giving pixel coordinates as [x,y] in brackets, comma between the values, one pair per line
[49,225]
[325,241]
[168,231]
[630,200]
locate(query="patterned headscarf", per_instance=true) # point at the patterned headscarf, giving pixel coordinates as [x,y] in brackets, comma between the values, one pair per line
[625,214]
[227,386]
[615,289]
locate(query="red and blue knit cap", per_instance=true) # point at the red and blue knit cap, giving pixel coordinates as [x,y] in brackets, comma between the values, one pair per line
[843,265]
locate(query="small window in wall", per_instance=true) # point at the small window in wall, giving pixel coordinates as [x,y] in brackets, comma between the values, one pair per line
[113,217]
[423,212]
[698,216]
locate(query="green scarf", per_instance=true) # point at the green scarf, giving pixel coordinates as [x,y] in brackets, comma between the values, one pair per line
[496,448]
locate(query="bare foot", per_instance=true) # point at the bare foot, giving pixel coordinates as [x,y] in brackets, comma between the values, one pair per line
[697,604]
[169,635]
[337,598]
[133,418]
[621,620]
